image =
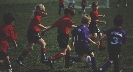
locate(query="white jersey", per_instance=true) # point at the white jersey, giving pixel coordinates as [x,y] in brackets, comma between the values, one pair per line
[71,1]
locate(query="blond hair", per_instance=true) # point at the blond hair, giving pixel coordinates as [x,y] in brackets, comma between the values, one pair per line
[85,19]
[38,7]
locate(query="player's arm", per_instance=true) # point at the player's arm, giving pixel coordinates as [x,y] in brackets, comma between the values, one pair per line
[73,26]
[100,21]
[48,28]
[101,15]
[14,43]
[92,41]
[41,26]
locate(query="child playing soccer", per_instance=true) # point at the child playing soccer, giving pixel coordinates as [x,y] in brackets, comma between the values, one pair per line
[115,38]
[33,34]
[7,34]
[61,5]
[94,30]
[71,3]
[83,4]
[81,39]
[63,27]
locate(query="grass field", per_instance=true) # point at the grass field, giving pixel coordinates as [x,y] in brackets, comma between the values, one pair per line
[23,11]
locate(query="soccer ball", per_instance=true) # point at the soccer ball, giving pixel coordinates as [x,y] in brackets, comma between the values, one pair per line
[88,61]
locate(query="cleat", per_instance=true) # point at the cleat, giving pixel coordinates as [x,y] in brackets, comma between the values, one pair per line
[50,62]
[70,64]
[44,61]
[120,70]
[9,70]
[19,62]
[102,48]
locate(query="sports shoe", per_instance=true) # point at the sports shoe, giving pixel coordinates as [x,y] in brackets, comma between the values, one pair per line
[102,48]
[79,12]
[120,70]
[70,64]
[44,60]
[9,70]
[20,62]
[50,62]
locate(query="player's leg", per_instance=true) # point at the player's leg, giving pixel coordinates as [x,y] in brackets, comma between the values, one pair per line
[125,1]
[101,47]
[93,61]
[118,3]
[43,50]
[8,64]
[24,53]
[111,52]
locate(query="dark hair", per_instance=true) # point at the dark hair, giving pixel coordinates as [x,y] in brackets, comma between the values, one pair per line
[95,4]
[69,10]
[8,17]
[118,20]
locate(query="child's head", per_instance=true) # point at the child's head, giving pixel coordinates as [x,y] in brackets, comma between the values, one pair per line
[8,18]
[40,10]
[86,19]
[94,5]
[69,11]
[118,20]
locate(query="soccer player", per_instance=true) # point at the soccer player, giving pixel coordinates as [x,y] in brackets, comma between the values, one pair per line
[33,34]
[61,5]
[83,4]
[63,27]
[81,39]
[71,3]
[118,3]
[94,30]
[7,35]
[115,38]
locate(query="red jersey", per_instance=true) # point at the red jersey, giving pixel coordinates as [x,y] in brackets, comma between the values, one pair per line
[61,0]
[7,33]
[63,24]
[94,15]
[34,23]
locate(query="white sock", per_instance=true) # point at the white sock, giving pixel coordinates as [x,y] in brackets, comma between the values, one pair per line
[126,4]
[118,5]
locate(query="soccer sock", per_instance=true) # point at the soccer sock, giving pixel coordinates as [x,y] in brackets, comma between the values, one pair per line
[84,10]
[116,65]
[76,59]
[93,61]
[67,58]
[8,64]
[57,56]
[106,66]
[43,53]
[101,42]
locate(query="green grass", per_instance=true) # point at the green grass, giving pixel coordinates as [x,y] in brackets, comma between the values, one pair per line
[22,14]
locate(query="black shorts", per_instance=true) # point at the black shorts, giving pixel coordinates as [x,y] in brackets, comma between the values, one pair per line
[33,36]
[114,51]
[61,5]
[93,28]
[63,40]
[81,49]
[3,55]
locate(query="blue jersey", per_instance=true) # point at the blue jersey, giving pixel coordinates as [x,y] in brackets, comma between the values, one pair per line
[115,36]
[81,35]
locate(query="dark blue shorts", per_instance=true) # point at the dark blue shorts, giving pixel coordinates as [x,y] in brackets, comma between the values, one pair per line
[93,28]
[82,49]
[3,55]
[33,36]
[114,51]
[63,40]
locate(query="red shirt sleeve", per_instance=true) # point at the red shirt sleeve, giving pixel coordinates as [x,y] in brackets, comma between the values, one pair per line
[10,32]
